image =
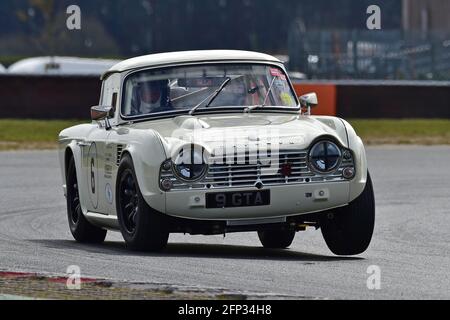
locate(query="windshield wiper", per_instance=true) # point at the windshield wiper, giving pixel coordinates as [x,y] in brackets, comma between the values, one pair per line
[211,97]
[251,108]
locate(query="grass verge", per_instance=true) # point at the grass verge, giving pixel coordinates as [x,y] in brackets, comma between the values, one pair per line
[407,131]
[42,134]
[31,134]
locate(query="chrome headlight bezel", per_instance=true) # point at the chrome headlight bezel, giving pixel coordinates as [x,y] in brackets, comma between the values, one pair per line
[202,169]
[327,169]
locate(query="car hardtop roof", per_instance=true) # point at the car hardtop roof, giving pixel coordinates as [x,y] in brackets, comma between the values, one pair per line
[181,57]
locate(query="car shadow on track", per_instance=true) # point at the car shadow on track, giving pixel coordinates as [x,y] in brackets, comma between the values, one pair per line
[196,250]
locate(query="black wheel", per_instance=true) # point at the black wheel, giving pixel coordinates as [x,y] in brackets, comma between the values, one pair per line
[81,229]
[276,239]
[142,227]
[348,230]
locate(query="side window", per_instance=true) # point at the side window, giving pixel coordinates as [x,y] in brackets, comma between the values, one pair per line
[102,94]
[106,93]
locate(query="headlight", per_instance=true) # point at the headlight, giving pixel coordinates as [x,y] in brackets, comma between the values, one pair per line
[190,164]
[325,156]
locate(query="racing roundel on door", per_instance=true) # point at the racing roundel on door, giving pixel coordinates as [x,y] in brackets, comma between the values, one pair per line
[92,171]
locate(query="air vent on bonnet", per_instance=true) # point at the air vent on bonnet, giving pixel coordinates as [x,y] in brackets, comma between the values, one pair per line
[190,123]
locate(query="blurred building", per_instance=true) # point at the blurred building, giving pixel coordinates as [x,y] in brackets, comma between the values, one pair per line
[417,48]
[61,66]
[426,15]
[319,38]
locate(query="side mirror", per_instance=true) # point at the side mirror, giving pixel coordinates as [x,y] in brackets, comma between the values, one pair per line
[101,112]
[309,100]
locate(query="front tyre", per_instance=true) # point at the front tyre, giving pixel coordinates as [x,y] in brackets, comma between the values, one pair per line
[276,239]
[348,230]
[142,227]
[81,229]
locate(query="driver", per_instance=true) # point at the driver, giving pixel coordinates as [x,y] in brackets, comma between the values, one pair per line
[152,96]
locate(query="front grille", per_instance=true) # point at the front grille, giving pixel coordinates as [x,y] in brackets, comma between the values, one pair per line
[249,173]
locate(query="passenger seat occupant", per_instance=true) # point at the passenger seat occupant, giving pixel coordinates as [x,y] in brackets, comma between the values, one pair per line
[151,97]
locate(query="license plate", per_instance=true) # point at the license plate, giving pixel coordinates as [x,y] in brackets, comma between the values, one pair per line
[238,199]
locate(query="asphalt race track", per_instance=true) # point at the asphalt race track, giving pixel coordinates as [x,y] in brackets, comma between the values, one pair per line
[411,244]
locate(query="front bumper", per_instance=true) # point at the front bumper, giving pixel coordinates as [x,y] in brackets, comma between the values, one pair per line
[285,201]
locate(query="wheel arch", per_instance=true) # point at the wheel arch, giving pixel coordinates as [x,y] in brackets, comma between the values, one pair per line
[72,151]
[146,155]
[356,144]
[68,155]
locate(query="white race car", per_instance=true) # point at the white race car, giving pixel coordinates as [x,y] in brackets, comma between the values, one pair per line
[212,142]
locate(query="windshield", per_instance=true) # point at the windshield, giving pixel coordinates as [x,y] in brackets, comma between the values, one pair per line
[183,88]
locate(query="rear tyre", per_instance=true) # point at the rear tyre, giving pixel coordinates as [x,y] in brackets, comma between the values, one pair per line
[143,228]
[81,229]
[348,230]
[276,239]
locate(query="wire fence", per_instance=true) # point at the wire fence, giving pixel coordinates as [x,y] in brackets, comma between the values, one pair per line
[335,54]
